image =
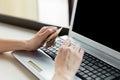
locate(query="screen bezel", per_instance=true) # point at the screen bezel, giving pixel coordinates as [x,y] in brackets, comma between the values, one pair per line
[91,43]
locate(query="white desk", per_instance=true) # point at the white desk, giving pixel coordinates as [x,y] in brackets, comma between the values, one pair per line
[10,68]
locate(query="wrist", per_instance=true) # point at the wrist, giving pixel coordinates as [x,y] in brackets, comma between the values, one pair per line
[31,45]
[61,76]
[27,46]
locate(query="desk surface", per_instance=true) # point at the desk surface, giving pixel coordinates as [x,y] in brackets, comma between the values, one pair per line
[10,68]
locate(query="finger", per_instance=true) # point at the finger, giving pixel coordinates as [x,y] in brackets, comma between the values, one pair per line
[61,49]
[47,27]
[53,28]
[64,50]
[67,52]
[70,57]
[67,43]
[43,29]
[61,53]
[81,53]
[77,48]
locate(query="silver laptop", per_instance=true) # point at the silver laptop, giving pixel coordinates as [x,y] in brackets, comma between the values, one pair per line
[89,29]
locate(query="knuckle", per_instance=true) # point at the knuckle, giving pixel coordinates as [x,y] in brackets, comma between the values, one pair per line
[82,51]
[68,49]
[61,48]
[44,28]
[48,30]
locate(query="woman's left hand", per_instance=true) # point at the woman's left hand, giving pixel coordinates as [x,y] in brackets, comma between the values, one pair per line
[39,39]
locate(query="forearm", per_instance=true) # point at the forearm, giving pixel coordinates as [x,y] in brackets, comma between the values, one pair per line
[10,45]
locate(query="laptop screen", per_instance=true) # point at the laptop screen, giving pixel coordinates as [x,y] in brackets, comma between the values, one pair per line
[98,21]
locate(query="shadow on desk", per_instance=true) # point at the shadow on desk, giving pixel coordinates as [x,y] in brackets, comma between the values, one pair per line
[30,24]
[11,61]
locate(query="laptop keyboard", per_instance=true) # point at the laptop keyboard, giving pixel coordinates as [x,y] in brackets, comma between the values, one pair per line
[91,67]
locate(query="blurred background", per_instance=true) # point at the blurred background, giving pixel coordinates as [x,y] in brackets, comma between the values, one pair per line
[55,12]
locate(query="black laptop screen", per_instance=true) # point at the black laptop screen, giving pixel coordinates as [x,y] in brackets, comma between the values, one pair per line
[98,21]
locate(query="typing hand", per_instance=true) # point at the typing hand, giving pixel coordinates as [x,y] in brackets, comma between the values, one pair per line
[68,61]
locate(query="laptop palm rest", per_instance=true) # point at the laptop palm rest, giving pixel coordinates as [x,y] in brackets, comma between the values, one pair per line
[37,62]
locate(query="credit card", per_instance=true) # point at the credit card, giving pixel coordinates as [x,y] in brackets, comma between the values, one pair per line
[53,35]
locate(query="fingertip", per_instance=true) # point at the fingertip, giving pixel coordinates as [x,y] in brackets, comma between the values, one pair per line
[67,42]
[54,28]
[82,52]
[77,47]
[61,48]
[48,32]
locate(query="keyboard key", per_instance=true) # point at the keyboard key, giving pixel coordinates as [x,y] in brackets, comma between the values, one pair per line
[81,73]
[95,72]
[99,74]
[110,77]
[89,78]
[100,69]
[90,74]
[85,75]
[103,76]
[97,78]
[117,78]
[107,74]
[82,68]
[94,76]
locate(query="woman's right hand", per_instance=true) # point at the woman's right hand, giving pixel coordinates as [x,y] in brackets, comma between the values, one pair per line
[67,61]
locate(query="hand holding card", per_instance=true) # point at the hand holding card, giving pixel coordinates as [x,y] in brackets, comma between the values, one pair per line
[50,40]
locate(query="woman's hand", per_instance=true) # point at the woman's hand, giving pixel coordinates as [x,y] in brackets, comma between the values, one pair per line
[32,44]
[67,61]
[40,37]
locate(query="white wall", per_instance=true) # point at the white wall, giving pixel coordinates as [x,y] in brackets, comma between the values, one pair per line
[20,8]
[54,12]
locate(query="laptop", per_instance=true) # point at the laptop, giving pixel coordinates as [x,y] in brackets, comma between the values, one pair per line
[93,27]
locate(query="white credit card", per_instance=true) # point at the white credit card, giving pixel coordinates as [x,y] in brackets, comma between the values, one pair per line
[54,35]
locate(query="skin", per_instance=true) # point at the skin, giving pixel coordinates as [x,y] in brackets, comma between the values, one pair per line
[29,45]
[67,61]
